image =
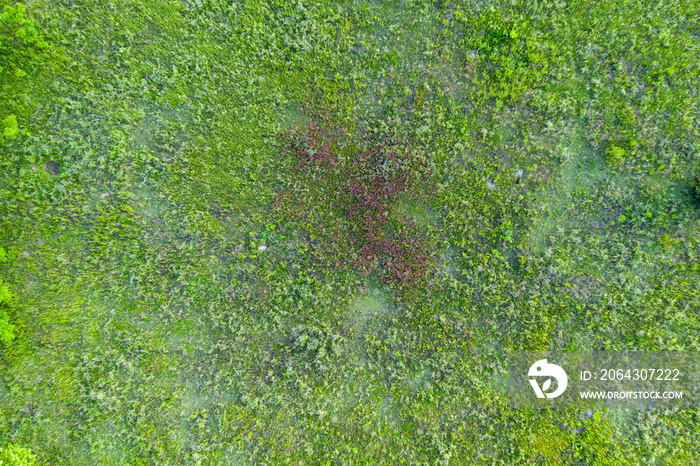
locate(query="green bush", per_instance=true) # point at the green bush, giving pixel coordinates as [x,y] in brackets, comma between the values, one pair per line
[7,330]
[9,128]
[19,39]
[14,455]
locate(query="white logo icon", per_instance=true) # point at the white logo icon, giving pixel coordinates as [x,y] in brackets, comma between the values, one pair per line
[542,368]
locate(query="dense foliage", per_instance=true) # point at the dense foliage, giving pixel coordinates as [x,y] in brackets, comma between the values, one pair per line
[309,232]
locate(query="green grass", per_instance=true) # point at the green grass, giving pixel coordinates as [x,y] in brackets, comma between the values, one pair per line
[148,327]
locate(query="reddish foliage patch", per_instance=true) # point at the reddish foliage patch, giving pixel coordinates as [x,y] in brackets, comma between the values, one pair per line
[345,193]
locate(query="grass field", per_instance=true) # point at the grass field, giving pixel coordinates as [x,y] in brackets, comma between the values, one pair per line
[309,232]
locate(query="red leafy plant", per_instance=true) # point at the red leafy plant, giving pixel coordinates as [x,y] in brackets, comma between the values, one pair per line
[347,190]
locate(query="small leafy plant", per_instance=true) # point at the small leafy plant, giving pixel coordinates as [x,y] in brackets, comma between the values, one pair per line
[614,154]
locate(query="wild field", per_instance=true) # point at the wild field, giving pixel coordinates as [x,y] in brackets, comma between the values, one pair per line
[308,232]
